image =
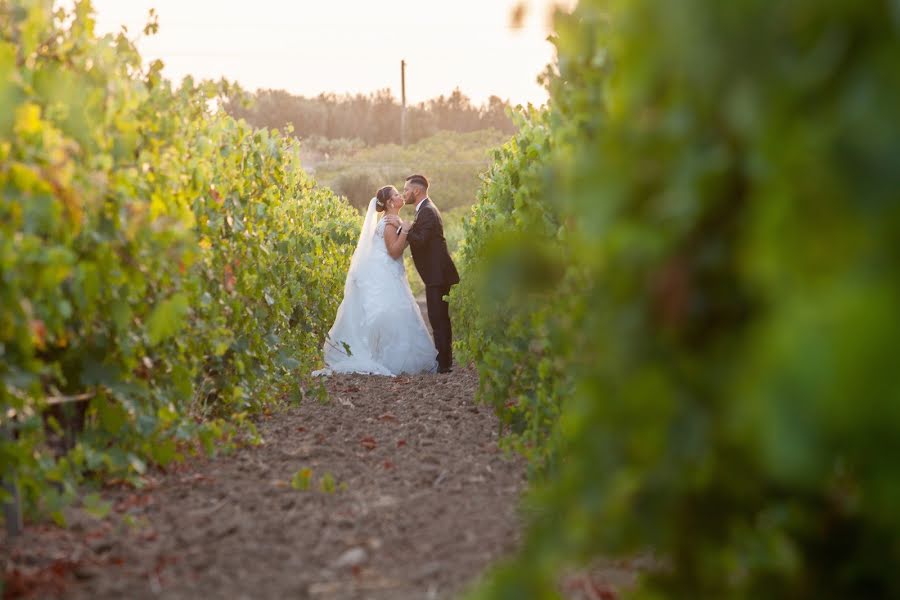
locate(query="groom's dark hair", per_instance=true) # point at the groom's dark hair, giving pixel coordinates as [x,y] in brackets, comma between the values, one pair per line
[418,180]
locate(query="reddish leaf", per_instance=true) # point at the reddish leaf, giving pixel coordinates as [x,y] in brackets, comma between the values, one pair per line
[671,289]
[60,567]
[99,533]
[149,536]
[228,279]
[41,582]
[401,443]
[368,443]
[133,501]
[38,333]
[16,584]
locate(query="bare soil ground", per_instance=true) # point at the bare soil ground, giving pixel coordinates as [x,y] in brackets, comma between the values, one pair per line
[424,502]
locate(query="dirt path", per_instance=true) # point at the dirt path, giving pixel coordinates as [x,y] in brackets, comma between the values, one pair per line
[424,502]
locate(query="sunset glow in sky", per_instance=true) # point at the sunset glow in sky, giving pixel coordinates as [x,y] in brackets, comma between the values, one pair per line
[347,46]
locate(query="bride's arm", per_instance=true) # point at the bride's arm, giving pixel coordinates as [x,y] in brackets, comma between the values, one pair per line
[395,243]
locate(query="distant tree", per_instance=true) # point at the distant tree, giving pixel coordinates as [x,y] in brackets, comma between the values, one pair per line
[455,113]
[493,116]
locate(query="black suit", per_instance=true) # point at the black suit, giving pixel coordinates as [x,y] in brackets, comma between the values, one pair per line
[436,268]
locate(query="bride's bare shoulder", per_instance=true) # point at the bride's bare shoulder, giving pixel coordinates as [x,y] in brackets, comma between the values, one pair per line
[383,226]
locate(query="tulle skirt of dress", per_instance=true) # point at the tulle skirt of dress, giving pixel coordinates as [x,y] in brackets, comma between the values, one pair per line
[379,328]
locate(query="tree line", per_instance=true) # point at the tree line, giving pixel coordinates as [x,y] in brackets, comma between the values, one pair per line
[373,118]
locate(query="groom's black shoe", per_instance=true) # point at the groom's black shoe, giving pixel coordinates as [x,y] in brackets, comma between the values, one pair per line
[446,369]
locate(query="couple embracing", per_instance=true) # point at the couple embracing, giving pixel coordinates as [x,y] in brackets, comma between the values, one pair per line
[379,328]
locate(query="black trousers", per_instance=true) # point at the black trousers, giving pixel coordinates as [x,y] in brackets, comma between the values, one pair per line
[439,317]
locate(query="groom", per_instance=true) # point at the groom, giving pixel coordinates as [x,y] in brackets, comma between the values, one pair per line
[433,262]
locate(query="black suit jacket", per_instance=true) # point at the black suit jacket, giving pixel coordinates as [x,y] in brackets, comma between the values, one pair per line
[429,248]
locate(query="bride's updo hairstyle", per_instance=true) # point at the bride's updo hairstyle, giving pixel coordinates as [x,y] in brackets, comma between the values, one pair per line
[382,196]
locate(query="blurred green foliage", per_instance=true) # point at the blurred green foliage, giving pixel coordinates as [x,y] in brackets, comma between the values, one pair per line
[679,287]
[157,256]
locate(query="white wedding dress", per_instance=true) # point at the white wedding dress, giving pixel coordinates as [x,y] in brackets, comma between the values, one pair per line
[378,328]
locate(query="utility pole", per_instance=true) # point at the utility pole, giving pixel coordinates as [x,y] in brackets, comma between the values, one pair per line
[403,106]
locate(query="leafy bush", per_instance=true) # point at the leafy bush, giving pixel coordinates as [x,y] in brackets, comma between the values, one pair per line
[505,240]
[451,161]
[156,256]
[359,185]
[681,281]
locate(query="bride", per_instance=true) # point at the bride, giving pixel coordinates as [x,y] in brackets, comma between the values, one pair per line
[379,328]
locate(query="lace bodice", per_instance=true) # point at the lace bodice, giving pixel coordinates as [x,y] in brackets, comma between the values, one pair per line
[380,248]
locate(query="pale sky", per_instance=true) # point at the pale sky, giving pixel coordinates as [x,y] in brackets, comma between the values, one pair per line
[347,46]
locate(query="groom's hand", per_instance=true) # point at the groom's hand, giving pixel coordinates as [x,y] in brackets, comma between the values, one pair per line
[393,220]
